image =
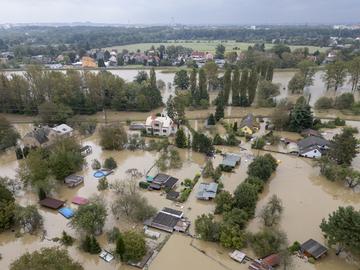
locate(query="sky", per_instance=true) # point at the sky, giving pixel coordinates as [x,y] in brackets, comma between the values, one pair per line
[181,11]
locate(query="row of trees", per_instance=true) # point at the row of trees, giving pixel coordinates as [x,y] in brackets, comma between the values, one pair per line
[59,94]
[238,208]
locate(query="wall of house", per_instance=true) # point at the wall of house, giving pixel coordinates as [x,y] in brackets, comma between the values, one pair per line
[312,154]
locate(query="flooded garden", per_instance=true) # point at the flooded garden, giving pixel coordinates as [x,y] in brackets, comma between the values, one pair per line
[307,198]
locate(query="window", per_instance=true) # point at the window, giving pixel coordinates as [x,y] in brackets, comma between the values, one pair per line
[164,131]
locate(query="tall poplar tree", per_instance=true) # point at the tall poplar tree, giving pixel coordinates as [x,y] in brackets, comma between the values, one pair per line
[243,88]
[252,86]
[227,84]
[235,87]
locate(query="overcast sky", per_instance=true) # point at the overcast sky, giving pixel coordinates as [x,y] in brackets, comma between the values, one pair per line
[181,11]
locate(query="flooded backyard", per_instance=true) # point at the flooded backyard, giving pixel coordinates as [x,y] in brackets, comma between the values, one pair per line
[306,196]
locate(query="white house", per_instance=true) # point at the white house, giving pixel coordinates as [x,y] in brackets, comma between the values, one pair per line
[161,125]
[311,152]
[63,130]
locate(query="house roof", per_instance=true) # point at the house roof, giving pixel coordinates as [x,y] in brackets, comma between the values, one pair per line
[170,182]
[165,219]
[310,132]
[172,212]
[172,195]
[51,203]
[311,141]
[314,248]
[272,260]
[309,149]
[66,212]
[80,200]
[165,180]
[62,129]
[249,121]
[230,160]
[206,191]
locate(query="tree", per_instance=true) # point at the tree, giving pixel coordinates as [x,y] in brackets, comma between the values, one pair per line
[208,170]
[153,83]
[219,112]
[54,114]
[142,76]
[120,246]
[220,51]
[300,117]
[180,139]
[354,70]
[266,93]
[335,75]
[201,143]
[211,120]
[91,245]
[343,148]
[235,87]
[193,83]
[297,83]
[227,85]
[243,88]
[90,218]
[252,86]
[207,228]
[232,237]
[271,213]
[307,69]
[7,208]
[268,241]
[181,79]
[131,204]
[211,71]
[28,218]
[236,218]
[8,135]
[46,258]
[113,137]
[261,167]
[203,89]
[135,246]
[245,198]
[280,116]
[224,202]
[65,158]
[343,229]
[110,163]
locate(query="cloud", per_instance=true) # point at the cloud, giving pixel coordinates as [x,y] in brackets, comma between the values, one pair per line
[181,11]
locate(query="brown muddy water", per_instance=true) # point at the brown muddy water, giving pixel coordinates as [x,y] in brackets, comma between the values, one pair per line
[307,198]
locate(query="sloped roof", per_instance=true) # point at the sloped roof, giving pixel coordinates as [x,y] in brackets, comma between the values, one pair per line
[249,121]
[230,160]
[51,203]
[62,129]
[314,248]
[40,134]
[206,191]
[311,141]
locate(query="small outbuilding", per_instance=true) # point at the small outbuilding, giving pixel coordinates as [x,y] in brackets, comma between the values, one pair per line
[51,203]
[312,248]
[74,180]
[165,181]
[207,191]
[230,161]
[169,220]
[66,212]
[237,255]
[172,195]
[80,200]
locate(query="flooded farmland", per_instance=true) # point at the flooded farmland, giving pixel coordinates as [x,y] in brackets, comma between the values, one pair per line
[306,196]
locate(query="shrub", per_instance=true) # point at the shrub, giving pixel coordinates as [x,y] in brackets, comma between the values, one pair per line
[91,245]
[324,103]
[344,101]
[95,165]
[295,247]
[110,163]
[144,185]
[66,239]
[259,143]
[103,184]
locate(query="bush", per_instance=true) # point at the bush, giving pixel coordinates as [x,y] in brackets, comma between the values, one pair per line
[103,184]
[344,101]
[95,165]
[324,103]
[295,247]
[267,242]
[66,239]
[113,235]
[110,163]
[144,185]
[259,143]
[134,246]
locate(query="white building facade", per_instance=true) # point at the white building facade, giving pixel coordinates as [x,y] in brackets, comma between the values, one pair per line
[161,125]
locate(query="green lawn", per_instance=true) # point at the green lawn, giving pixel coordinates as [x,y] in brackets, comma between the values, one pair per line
[208,46]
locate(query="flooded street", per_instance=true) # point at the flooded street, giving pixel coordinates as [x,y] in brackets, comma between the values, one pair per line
[306,196]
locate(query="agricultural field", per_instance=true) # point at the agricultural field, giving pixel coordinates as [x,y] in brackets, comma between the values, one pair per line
[208,46]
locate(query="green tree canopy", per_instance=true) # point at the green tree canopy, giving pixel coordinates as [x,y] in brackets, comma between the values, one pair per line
[135,246]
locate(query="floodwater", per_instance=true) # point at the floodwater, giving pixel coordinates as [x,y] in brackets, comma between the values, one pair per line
[306,196]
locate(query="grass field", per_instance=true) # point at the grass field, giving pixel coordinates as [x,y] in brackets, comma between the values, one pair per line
[208,46]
